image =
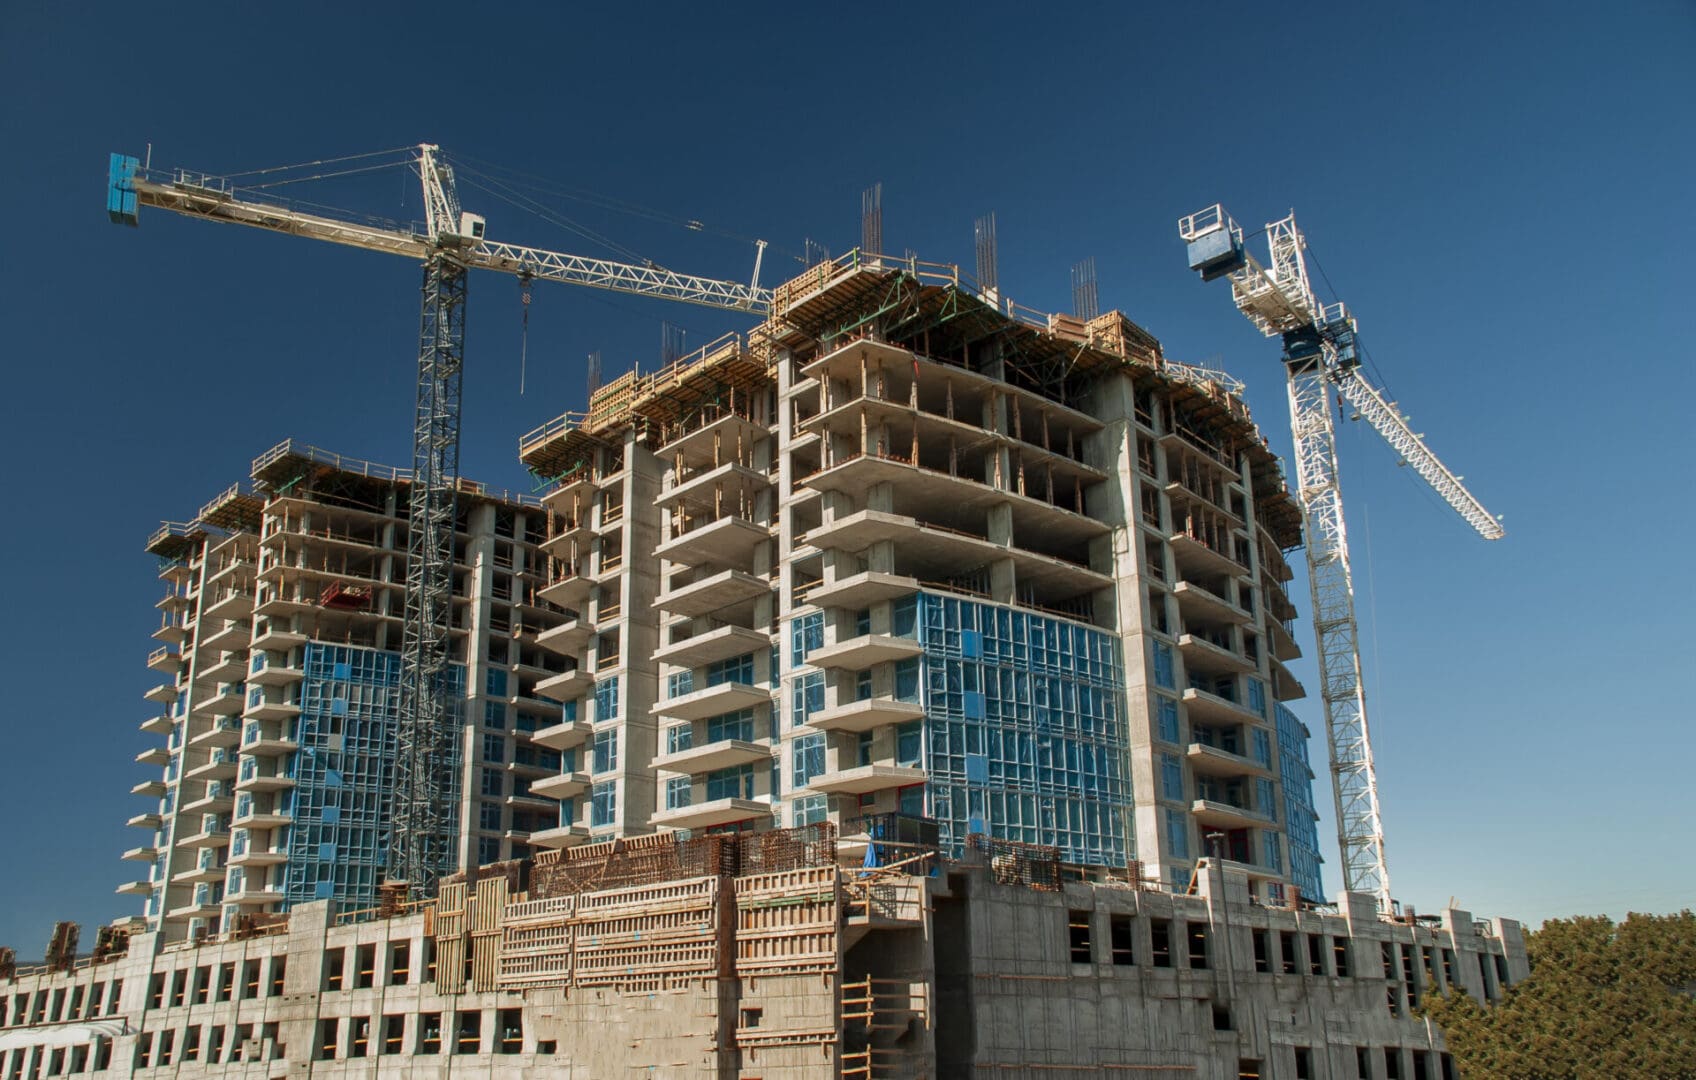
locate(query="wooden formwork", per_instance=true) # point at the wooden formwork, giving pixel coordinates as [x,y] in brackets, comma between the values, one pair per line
[537,937]
[451,930]
[1116,334]
[484,918]
[611,403]
[671,931]
[787,921]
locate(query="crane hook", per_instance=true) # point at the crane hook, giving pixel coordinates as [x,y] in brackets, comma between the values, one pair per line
[524,279]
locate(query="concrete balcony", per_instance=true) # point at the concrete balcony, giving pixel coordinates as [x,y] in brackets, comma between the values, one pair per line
[224,732]
[221,668]
[199,875]
[568,592]
[1284,645]
[263,819]
[135,888]
[718,592]
[713,645]
[563,736]
[1202,604]
[141,854]
[561,836]
[258,896]
[709,757]
[860,653]
[264,782]
[280,605]
[154,755]
[568,638]
[259,742]
[729,541]
[700,487]
[230,604]
[859,591]
[709,814]
[158,725]
[144,821]
[867,715]
[163,694]
[211,769]
[193,910]
[935,551]
[567,686]
[562,786]
[568,490]
[1286,687]
[151,789]
[531,801]
[271,710]
[713,701]
[227,701]
[866,778]
[572,531]
[259,858]
[277,639]
[226,637]
[165,660]
[1211,761]
[1226,816]
[1193,556]
[209,804]
[171,633]
[215,838]
[273,673]
[1206,657]
[698,444]
[1213,708]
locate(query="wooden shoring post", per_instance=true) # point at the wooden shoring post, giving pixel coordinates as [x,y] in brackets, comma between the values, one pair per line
[953,455]
[948,385]
[1018,422]
[863,426]
[1046,445]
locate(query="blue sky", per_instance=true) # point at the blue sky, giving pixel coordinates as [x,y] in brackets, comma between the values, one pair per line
[1499,191]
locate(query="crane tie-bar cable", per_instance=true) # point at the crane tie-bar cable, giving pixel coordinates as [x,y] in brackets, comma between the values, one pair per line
[321,161]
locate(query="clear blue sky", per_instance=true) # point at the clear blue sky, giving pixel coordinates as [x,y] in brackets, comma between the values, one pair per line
[1499,191]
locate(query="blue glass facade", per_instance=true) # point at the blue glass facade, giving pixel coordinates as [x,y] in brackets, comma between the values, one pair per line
[1298,805]
[344,772]
[1024,734]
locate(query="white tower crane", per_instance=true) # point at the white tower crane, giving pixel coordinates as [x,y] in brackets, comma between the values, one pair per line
[1320,354]
[451,244]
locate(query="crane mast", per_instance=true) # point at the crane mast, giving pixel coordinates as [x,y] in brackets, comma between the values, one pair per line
[451,245]
[1320,353]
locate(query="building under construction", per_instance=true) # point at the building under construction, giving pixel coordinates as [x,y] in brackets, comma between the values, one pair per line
[908,549]
[780,954]
[912,675]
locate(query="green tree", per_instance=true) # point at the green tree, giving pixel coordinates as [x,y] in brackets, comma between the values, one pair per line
[1603,1002]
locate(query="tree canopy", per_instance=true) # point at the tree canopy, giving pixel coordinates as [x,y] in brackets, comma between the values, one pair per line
[1603,1002]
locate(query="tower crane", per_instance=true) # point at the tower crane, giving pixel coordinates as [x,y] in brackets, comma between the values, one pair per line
[451,245]
[1321,356]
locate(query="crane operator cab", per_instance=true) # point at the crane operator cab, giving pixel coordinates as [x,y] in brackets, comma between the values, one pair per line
[469,234]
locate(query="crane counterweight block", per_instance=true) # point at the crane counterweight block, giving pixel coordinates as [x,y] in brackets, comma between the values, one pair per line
[121,203]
